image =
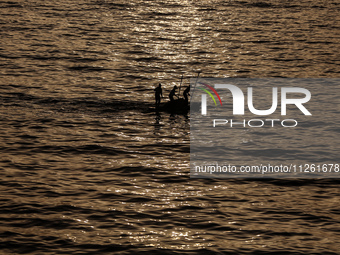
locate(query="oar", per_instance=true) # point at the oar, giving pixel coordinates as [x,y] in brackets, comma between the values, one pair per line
[192,95]
[180,85]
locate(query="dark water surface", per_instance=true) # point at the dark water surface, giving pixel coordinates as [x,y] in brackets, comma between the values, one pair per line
[88,168]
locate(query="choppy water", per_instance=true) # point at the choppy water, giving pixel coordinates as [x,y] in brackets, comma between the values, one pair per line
[87,168]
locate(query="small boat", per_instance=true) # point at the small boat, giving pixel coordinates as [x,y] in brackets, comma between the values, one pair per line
[178,106]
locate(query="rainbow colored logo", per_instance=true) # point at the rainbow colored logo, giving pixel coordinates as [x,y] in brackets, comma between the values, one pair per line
[209,93]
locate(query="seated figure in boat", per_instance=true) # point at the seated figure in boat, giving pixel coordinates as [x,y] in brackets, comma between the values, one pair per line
[172,94]
[186,94]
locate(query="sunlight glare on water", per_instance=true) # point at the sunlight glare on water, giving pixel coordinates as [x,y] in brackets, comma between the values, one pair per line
[89,167]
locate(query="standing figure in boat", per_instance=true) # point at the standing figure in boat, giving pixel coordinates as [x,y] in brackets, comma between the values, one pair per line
[186,93]
[172,94]
[158,95]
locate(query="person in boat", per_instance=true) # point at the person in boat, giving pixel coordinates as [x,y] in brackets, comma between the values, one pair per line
[158,95]
[172,94]
[186,94]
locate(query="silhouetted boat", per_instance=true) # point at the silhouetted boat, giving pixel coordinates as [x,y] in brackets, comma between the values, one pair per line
[179,106]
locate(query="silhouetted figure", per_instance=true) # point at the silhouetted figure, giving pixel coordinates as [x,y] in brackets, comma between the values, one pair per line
[185,95]
[158,95]
[172,94]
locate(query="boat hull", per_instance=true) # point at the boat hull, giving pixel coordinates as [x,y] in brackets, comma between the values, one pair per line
[178,106]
